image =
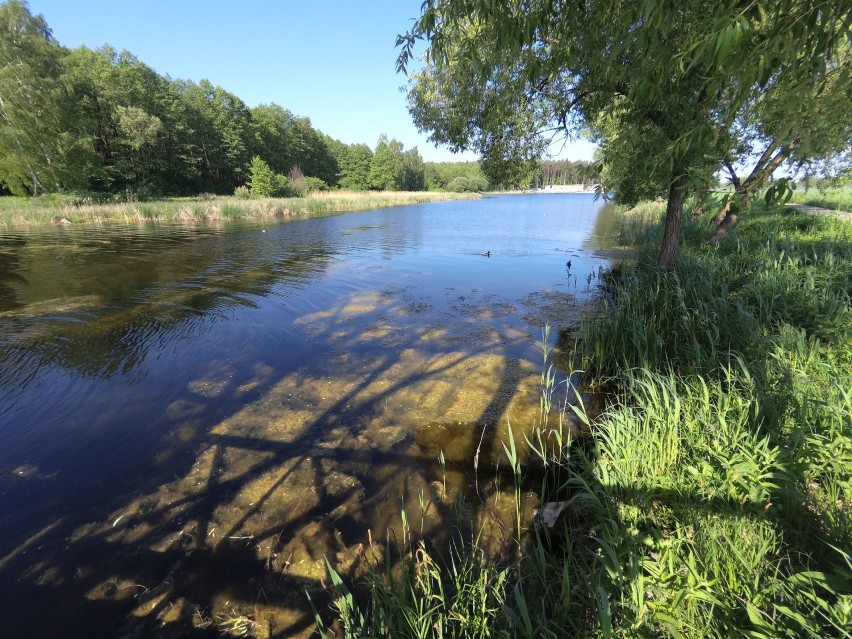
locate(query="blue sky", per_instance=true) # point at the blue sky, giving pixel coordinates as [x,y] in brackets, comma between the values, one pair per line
[329,60]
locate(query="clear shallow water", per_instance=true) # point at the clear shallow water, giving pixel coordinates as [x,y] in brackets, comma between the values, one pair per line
[286,385]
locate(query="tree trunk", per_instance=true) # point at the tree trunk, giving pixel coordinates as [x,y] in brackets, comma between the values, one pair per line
[698,209]
[722,214]
[674,219]
[726,219]
[724,228]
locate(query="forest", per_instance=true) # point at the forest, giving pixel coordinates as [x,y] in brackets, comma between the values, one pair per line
[102,121]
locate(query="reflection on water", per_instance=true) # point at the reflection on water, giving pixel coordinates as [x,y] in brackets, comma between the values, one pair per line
[193,418]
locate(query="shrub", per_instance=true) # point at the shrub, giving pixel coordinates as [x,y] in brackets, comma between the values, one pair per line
[315,184]
[284,187]
[242,193]
[298,182]
[262,180]
[464,184]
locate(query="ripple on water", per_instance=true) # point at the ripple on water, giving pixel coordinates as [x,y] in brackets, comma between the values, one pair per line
[270,402]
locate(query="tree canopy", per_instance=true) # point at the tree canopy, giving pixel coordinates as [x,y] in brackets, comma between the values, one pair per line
[103,120]
[660,85]
[42,144]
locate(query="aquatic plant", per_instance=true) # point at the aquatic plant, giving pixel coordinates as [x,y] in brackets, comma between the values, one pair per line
[20,212]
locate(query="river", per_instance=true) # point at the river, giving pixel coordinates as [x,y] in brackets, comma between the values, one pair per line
[193,417]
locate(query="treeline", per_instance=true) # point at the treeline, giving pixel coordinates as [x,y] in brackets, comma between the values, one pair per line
[102,120]
[469,176]
[565,172]
[456,176]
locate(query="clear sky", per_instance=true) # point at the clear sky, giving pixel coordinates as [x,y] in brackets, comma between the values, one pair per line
[329,60]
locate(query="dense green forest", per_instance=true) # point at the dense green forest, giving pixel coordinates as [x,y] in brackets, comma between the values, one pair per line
[103,121]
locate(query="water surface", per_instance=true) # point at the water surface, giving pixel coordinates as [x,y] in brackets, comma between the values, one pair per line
[193,417]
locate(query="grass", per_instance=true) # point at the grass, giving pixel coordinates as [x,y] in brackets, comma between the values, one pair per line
[15,212]
[836,198]
[714,496]
[727,459]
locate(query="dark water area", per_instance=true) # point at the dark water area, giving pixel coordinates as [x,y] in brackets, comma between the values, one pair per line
[191,418]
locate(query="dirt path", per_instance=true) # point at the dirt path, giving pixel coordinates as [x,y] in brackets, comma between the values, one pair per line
[843,215]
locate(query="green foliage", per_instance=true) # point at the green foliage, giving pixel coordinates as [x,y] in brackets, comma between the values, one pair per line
[286,141]
[315,184]
[262,180]
[732,425]
[462,595]
[106,121]
[355,163]
[811,132]
[661,86]
[706,530]
[413,176]
[43,143]
[440,174]
[562,172]
[838,198]
[720,302]
[464,184]
[296,182]
[386,166]
[392,169]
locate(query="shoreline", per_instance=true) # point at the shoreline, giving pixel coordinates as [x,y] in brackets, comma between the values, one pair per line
[567,189]
[216,209]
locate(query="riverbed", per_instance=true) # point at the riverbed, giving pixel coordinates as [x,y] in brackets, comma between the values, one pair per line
[194,417]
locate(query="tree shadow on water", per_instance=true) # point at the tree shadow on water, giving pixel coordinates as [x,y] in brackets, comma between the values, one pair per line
[236,530]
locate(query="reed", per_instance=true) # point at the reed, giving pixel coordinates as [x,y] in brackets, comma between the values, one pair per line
[16,212]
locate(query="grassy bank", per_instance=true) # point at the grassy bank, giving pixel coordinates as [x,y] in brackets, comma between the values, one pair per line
[727,461]
[713,496]
[16,211]
[837,198]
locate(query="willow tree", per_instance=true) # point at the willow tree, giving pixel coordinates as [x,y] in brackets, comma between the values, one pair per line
[659,83]
[796,121]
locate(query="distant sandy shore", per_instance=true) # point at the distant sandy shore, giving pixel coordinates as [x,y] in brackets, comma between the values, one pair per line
[567,188]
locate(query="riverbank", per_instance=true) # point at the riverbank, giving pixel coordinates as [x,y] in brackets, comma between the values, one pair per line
[725,466]
[818,210]
[713,497]
[835,199]
[17,212]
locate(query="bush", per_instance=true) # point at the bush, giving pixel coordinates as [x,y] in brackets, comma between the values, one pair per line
[464,184]
[298,182]
[242,192]
[315,184]
[284,187]
[262,180]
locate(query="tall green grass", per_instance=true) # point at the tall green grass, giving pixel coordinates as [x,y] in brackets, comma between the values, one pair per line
[713,497]
[837,198]
[729,451]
